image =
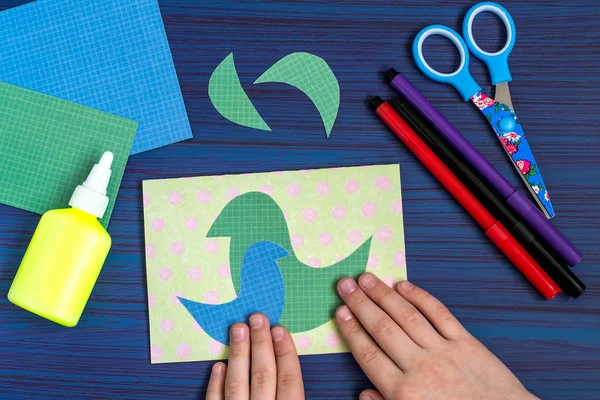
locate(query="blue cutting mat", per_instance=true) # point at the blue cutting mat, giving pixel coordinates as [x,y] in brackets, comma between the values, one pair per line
[107,54]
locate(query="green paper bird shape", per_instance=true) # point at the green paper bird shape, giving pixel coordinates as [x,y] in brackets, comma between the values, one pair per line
[310,293]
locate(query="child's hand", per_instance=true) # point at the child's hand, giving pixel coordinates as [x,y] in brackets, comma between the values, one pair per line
[411,347]
[274,364]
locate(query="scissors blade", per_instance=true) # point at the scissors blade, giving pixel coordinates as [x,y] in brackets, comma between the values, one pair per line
[505,123]
[502,94]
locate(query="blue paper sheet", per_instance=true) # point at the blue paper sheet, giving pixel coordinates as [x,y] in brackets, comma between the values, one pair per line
[107,54]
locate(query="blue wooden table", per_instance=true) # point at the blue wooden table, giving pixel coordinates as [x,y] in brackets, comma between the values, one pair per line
[553,347]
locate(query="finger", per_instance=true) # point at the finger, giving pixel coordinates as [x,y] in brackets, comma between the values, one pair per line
[386,332]
[289,374]
[370,394]
[403,312]
[263,381]
[433,309]
[378,367]
[237,382]
[216,383]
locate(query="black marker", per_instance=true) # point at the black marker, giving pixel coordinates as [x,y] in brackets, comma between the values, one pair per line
[560,273]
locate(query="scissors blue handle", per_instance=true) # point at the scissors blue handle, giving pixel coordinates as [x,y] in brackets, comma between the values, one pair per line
[461,79]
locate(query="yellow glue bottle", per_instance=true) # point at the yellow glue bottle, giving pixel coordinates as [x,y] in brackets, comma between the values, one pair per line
[67,251]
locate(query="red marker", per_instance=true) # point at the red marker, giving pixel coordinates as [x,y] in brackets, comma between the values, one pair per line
[493,229]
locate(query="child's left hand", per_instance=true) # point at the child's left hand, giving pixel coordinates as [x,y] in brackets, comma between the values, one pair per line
[271,356]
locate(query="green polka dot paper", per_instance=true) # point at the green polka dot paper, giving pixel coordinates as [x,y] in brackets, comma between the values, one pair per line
[329,213]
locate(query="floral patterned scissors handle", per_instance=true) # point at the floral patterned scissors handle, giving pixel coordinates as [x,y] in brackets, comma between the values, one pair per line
[499,111]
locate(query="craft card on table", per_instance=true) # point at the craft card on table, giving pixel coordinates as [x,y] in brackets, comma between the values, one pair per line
[221,247]
[48,146]
[107,54]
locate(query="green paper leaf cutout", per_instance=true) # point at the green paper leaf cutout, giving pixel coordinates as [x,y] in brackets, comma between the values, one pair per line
[229,98]
[311,75]
[310,293]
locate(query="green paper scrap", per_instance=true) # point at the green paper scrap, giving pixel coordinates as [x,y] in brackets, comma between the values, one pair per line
[48,146]
[330,218]
[229,98]
[311,75]
[255,217]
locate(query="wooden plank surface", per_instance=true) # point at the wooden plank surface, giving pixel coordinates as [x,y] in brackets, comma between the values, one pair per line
[553,347]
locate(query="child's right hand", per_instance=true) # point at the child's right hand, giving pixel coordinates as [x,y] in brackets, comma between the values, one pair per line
[411,347]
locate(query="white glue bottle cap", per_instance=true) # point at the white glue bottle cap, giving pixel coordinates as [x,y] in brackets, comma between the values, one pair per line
[90,197]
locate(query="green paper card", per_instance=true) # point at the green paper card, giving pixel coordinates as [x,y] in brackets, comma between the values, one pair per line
[48,146]
[332,222]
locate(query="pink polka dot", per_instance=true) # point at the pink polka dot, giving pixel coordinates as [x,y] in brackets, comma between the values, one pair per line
[303,342]
[211,245]
[384,234]
[332,340]
[297,241]
[323,188]
[397,206]
[175,198]
[285,215]
[305,171]
[183,351]
[339,212]
[388,280]
[277,172]
[165,273]
[191,223]
[155,352]
[232,194]
[224,270]
[175,297]
[309,215]
[352,186]
[204,197]
[314,262]
[266,189]
[150,250]
[177,248]
[216,348]
[294,189]
[212,297]
[325,238]
[368,209]
[146,199]
[151,300]
[400,258]
[373,262]
[157,224]
[383,183]
[355,236]
[197,327]
[195,273]
[167,325]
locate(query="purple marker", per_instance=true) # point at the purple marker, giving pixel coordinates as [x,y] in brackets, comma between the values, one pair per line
[514,198]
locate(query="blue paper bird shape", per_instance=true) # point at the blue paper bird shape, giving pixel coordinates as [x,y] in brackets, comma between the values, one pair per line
[261,290]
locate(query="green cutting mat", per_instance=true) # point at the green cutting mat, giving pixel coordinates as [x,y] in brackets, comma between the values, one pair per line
[48,146]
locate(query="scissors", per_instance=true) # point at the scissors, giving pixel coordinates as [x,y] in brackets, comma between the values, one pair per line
[499,111]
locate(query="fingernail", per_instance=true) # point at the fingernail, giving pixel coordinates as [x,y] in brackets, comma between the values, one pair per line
[256,322]
[406,285]
[238,334]
[348,286]
[344,313]
[368,281]
[277,333]
[217,369]
[366,397]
